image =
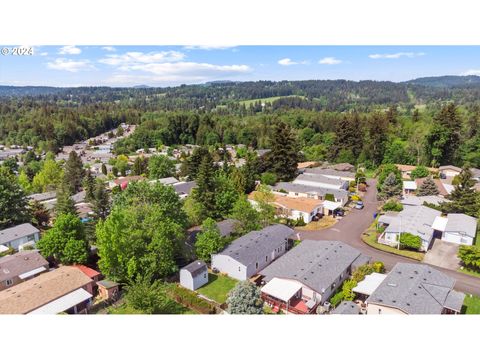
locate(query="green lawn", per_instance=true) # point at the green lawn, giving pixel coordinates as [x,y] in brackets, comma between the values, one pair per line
[370,237]
[469,272]
[218,287]
[471,305]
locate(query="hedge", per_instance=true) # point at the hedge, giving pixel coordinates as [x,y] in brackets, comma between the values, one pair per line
[191,300]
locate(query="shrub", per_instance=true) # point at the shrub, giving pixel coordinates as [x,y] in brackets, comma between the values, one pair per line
[356,198]
[300,221]
[336,299]
[410,241]
[392,205]
[347,289]
[419,172]
[190,299]
[268,178]
[362,187]
[378,267]
[470,256]
[329,197]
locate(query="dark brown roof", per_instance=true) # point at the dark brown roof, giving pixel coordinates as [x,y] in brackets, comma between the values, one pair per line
[14,265]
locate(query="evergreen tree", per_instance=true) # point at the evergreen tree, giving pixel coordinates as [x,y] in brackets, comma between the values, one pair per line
[74,172]
[13,202]
[390,187]
[100,201]
[249,172]
[464,198]
[40,215]
[140,166]
[65,203]
[89,186]
[347,137]
[205,190]
[284,154]
[427,188]
[191,166]
[245,298]
[104,169]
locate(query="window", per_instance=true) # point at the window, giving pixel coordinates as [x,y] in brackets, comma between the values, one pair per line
[256,265]
[9,282]
[205,275]
[379,311]
[266,258]
[239,268]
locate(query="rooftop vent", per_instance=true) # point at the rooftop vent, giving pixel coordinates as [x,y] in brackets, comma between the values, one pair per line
[392,284]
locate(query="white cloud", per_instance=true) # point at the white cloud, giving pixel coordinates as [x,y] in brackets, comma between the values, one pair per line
[288,62]
[396,55]
[329,61]
[208,47]
[109,48]
[69,50]
[70,65]
[43,53]
[130,58]
[471,72]
[167,67]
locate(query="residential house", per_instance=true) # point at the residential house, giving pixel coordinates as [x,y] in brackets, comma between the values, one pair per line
[409,187]
[416,220]
[345,167]
[184,189]
[332,173]
[346,308]
[318,180]
[92,274]
[194,275]
[459,229]
[301,166]
[165,181]
[226,228]
[123,181]
[251,253]
[449,170]
[53,292]
[292,208]
[311,192]
[406,170]
[20,267]
[415,289]
[309,274]
[420,200]
[17,237]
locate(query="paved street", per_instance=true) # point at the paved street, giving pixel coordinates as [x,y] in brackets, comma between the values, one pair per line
[351,227]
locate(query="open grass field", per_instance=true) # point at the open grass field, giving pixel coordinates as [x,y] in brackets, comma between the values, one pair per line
[250,102]
[471,305]
[218,287]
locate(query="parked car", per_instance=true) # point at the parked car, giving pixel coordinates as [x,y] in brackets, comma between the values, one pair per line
[339,212]
[359,205]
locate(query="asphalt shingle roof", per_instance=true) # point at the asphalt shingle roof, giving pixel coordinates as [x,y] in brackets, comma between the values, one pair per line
[301,188]
[20,263]
[416,289]
[462,223]
[330,172]
[184,188]
[318,178]
[317,264]
[17,232]
[247,248]
[346,308]
[196,267]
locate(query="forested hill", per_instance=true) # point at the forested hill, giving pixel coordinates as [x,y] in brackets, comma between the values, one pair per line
[332,95]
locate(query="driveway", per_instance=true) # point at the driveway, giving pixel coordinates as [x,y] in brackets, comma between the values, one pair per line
[443,254]
[350,228]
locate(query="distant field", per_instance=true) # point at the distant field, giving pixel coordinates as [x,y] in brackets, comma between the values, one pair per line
[267,100]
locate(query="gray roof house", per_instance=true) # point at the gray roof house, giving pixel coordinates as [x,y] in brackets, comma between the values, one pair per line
[317,268]
[416,220]
[21,266]
[184,189]
[415,289]
[335,174]
[40,197]
[346,308]
[419,200]
[460,229]
[194,275]
[315,192]
[18,236]
[318,180]
[252,252]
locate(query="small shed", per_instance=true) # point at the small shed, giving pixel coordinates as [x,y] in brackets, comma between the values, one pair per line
[108,289]
[194,275]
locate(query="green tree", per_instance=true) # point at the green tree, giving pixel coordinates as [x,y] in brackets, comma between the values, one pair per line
[390,187]
[48,178]
[428,187]
[248,218]
[209,241]
[419,172]
[74,172]
[104,169]
[140,166]
[268,178]
[11,164]
[264,199]
[226,194]
[191,166]
[470,256]
[284,154]
[347,289]
[385,170]
[245,298]
[193,210]
[65,241]
[464,198]
[65,203]
[13,202]
[100,201]
[89,186]
[205,191]
[409,241]
[147,297]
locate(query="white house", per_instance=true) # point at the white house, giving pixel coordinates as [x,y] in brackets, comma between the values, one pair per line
[252,252]
[18,236]
[311,192]
[332,173]
[317,180]
[449,170]
[460,229]
[194,275]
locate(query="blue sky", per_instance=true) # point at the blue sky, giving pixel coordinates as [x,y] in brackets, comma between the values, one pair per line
[174,65]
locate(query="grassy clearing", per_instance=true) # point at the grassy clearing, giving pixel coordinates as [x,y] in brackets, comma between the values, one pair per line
[218,287]
[270,100]
[370,238]
[323,223]
[471,305]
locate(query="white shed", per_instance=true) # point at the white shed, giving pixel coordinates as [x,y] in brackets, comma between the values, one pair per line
[194,275]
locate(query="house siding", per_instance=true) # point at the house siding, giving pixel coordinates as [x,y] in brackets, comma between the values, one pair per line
[15,244]
[457,238]
[193,283]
